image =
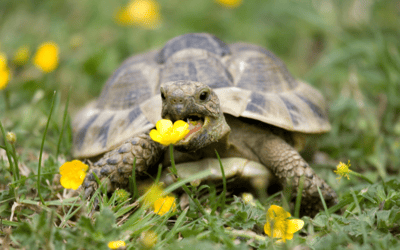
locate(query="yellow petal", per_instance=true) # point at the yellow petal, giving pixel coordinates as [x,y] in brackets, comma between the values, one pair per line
[80,165]
[155,135]
[164,205]
[267,229]
[5,76]
[65,182]
[287,237]
[277,211]
[46,57]
[75,185]
[116,244]
[181,129]
[164,126]
[294,225]
[180,125]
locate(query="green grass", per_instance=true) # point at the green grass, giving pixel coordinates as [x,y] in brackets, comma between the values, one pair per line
[348,50]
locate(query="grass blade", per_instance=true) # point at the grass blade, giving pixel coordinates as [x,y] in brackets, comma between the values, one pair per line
[41,148]
[8,152]
[223,194]
[63,124]
[298,198]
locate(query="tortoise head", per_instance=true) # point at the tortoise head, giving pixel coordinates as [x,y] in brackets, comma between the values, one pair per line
[198,105]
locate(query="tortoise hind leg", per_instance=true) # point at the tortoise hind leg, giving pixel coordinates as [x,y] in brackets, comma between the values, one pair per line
[117,164]
[287,164]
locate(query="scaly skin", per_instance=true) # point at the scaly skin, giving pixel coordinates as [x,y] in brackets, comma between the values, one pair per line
[118,163]
[288,166]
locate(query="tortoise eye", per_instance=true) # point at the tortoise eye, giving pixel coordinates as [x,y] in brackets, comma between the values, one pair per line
[204,95]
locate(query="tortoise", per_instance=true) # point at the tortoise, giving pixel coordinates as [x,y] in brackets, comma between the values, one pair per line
[239,99]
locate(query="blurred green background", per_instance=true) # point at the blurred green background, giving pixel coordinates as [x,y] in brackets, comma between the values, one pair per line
[348,49]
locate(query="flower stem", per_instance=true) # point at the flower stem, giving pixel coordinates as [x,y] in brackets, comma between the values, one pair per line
[184,187]
[14,154]
[361,176]
[171,156]
[7,99]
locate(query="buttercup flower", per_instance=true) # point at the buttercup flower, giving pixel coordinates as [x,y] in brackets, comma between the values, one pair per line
[46,57]
[116,244]
[72,174]
[279,225]
[230,3]
[144,13]
[5,74]
[343,170]
[21,56]
[148,238]
[167,133]
[164,205]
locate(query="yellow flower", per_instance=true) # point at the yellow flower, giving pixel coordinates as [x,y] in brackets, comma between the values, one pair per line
[116,244]
[143,13]
[46,57]
[343,170]
[148,239]
[230,3]
[164,205]
[167,134]
[72,174]
[5,74]
[21,56]
[154,193]
[278,223]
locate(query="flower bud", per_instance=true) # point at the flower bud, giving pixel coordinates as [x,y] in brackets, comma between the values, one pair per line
[11,137]
[195,183]
[248,199]
[148,239]
[121,195]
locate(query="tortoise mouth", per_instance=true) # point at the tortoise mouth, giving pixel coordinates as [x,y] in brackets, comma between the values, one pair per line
[197,125]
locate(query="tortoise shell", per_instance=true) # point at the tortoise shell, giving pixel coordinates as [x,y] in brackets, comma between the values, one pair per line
[249,80]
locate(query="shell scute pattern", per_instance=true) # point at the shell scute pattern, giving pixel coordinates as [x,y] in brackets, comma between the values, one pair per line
[201,41]
[205,67]
[249,80]
[81,134]
[119,94]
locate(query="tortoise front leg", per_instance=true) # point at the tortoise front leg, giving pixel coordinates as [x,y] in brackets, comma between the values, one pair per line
[287,164]
[117,164]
